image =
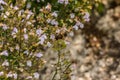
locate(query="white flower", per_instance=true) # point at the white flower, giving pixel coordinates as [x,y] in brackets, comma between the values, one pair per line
[5,63]
[10,74]
[54,14]
[75,27]
[52,36]
[7,13]
[25,36]
[29,14]
[28,23]
[48,7]
[61,1]
[29,77]
[48,20]
[81,25]
[5,53]
[78,23]
[28,5]
[42,38]
[72,15]
[5,27]
[20,12]
[16,8]
[5,16]
[58,31]
[2,2]
[26,52]
[1,73]
[17,47]
[36,75]
[39,32]
[56,23]
[15,75]
[86,17]
[11,5]
[66,2]
[25,30]
[67,42]
[53,22]
[39,55]
[48,44]
[71,34]
[29,63]
[15,30]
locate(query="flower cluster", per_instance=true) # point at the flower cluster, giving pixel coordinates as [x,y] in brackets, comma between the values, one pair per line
[29,27]
[63,1]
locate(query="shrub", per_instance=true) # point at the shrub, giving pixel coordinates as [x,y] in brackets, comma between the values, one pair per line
[29,27]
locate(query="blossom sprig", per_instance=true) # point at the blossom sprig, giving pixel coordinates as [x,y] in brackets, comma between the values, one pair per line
[28,28]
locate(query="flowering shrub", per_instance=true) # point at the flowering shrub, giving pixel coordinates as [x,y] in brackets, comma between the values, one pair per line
[29,27]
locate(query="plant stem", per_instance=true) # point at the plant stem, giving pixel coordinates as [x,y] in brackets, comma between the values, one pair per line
[58,65]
